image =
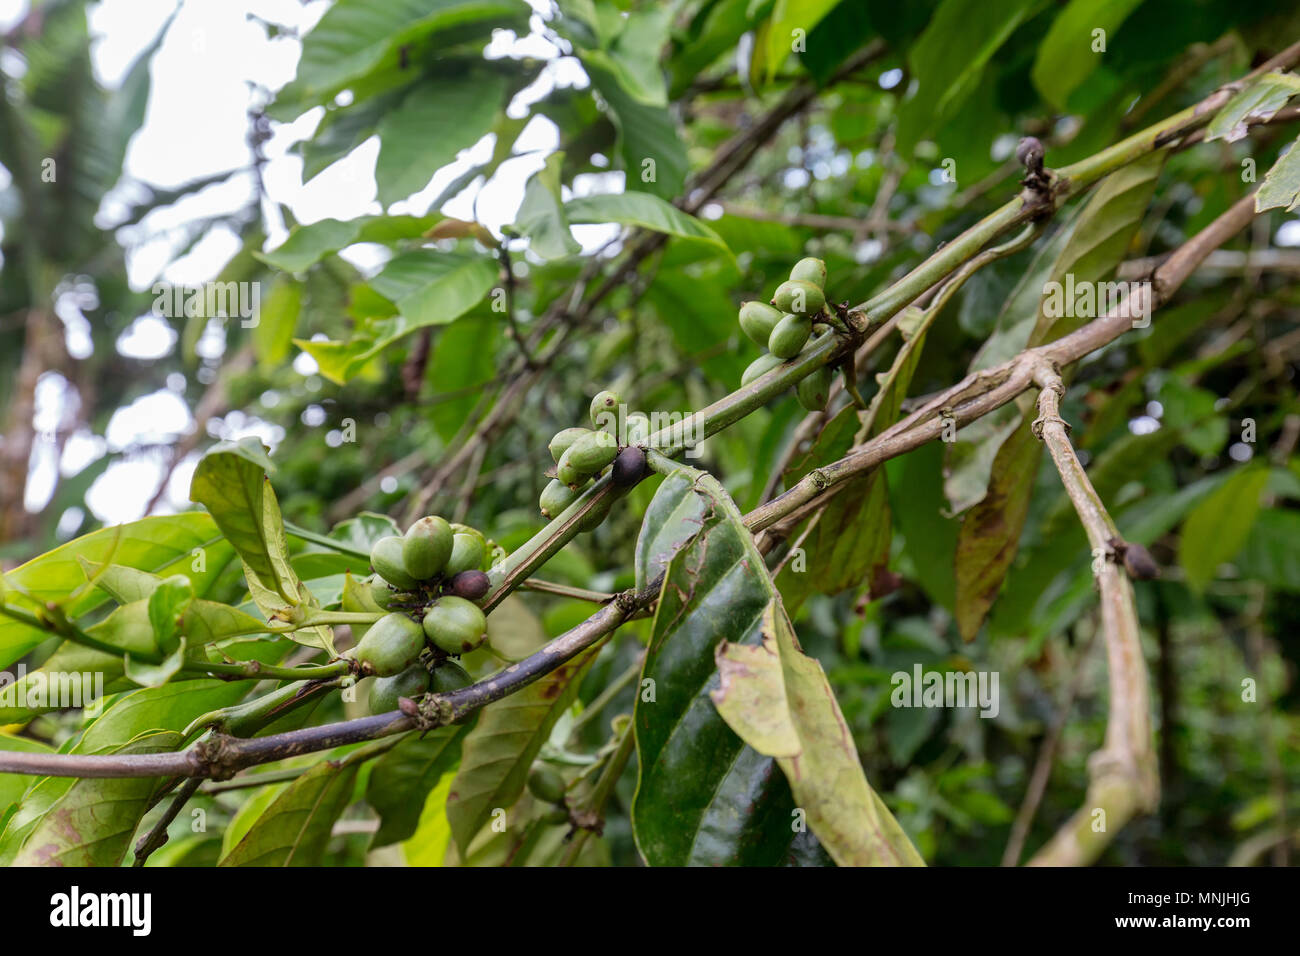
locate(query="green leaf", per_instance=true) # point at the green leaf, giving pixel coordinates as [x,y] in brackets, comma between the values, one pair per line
[777,699]
[1066,56]
[1259,101]
[948,61]
[703,796]
[162,544]
[435,121]
[429,288]
[497,754]
[122,584]
[167,606]
[429,843]
[1218,527]
[356,38]
[402,779]
[231,482]
[273,334]
[295,829]
[1271,553]
[652,152]
[92,821]
[14,785]
[307,245]
[541,218]
[787,16]
[1281,186]
[644,210]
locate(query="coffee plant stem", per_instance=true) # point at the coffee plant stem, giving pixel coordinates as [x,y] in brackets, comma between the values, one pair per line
[1123,775]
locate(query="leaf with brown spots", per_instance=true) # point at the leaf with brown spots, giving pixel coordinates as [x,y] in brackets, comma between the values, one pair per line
[92,822]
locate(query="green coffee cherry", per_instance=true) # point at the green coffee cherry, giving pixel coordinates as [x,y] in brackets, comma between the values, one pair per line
[390,646]
[814,391]
[380,593]
[426,547]
[596,516]
[566,474]
[455,625]
[590,454]
[799,297]
[760,366]
[563,439]
[604,403]
[810,270]
[636,428]
[467,553]
[789,336]
[757,319]
[556,815]
[449,676]
[556,496]
[387,559]
[545,783]
[385,691]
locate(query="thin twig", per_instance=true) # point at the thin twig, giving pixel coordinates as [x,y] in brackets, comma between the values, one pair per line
[1123,780]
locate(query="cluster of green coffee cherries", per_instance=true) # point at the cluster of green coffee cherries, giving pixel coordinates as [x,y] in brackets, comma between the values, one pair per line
[582,454]
[428,580]
[788,326]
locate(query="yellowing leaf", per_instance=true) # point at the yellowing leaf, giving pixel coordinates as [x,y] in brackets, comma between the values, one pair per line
[777,700]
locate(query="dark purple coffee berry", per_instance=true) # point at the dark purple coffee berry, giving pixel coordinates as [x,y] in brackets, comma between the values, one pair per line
[629,467]
[471,585]
[1029,153]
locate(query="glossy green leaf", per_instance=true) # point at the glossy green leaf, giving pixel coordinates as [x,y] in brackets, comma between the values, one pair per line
[643,210]
[295,829]
[402,779]
[231,482]
[703,797]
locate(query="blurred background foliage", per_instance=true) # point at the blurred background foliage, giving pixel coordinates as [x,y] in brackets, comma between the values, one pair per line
[881,167]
